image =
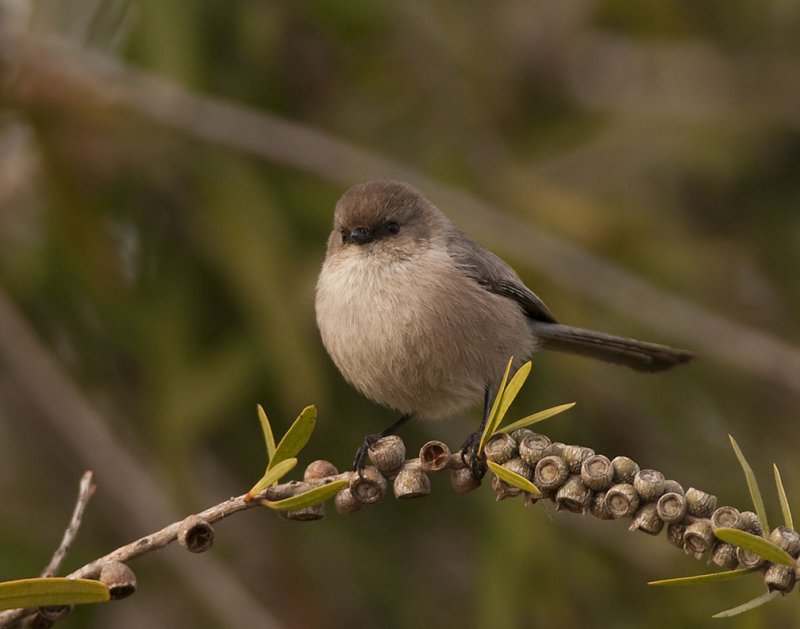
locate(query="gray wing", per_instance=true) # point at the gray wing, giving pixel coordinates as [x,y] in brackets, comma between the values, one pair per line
[495,275]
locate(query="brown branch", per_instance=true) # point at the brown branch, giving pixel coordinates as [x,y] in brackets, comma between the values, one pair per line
[573,477]
[170,533]
[85,493]
[132,486]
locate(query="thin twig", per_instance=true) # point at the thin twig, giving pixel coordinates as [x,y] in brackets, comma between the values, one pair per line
[85,493]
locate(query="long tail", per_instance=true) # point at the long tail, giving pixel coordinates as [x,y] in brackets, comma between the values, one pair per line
[638,355]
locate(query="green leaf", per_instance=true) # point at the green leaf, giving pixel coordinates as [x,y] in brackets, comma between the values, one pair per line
[746,607]
[51,591]
[269,438]
[488,429]
[752,484]
[512,478]
[296,437]
[787,512]
[308,498]
[271,476]
[510,393]
[537,417]
[759,545]
[713,577]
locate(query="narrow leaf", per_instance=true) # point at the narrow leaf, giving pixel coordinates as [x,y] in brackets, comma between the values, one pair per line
[752,484]
[537,417]
[51,591]
[746,607]
[488,429]
[307,498]
[713,577]
[787,512]
[512,478]
[269,438]
[760,546]
[510,392]
[296,437]
[272,475]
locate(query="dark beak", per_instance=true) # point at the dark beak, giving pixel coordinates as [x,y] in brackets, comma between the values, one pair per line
[360,235]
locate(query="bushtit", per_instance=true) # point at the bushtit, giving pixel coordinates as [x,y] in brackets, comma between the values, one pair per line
[420,318]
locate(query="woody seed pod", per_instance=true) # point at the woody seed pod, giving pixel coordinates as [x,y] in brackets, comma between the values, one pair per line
[306,514]
[411,482]
[622,500]
[463,481]
[503,490]
[598,508]
[346,503]
[556,448]
[673,486]
[369,487]
[434,456]
[387,454]
[751,523]
[53,613]
[520,433]
[701,504]
[551,472]
[646,520]
[698,537]
[749,559]
[518,466]
[532,448]
[575,456]
[671,507]
[195,534]
[625,469]
[506,490]
[724,556]
[319,469]
[649,484]
[573,495]
[779,578]
[597,472]
[787,539]
[500,448]
[726,517]
[118,578]
[675,533]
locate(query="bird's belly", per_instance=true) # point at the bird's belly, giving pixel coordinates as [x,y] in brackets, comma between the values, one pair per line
[386,329]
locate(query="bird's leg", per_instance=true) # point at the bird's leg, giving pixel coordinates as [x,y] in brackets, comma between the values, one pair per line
[469,451]
[361,453]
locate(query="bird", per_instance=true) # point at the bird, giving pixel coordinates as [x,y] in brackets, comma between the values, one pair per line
[420,318]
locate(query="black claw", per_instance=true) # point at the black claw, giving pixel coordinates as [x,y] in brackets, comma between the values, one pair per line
[360,461]
[361,454]
[471,457]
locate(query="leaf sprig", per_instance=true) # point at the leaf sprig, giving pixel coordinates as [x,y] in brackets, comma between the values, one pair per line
[506,394]
[754,543]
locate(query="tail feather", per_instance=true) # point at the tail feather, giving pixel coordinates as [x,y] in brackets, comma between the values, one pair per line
[639,355]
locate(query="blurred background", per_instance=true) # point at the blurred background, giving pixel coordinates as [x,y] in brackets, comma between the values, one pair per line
[168,172]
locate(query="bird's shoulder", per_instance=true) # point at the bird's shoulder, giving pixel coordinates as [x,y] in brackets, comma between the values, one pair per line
[494,275]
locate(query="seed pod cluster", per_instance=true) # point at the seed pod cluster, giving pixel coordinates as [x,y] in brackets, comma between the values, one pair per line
[576,480]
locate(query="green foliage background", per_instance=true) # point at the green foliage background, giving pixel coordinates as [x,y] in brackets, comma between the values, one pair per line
[173,280]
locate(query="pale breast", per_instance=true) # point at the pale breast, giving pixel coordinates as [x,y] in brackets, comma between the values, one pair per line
[413,339]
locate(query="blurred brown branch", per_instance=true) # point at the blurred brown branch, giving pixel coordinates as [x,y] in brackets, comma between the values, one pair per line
[50,73]
[137,492]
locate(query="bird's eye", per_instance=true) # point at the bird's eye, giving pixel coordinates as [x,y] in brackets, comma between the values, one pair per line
[392,228]
[345,236]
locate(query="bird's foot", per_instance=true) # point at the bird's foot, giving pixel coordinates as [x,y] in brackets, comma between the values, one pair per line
[360,461]
[471,457]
